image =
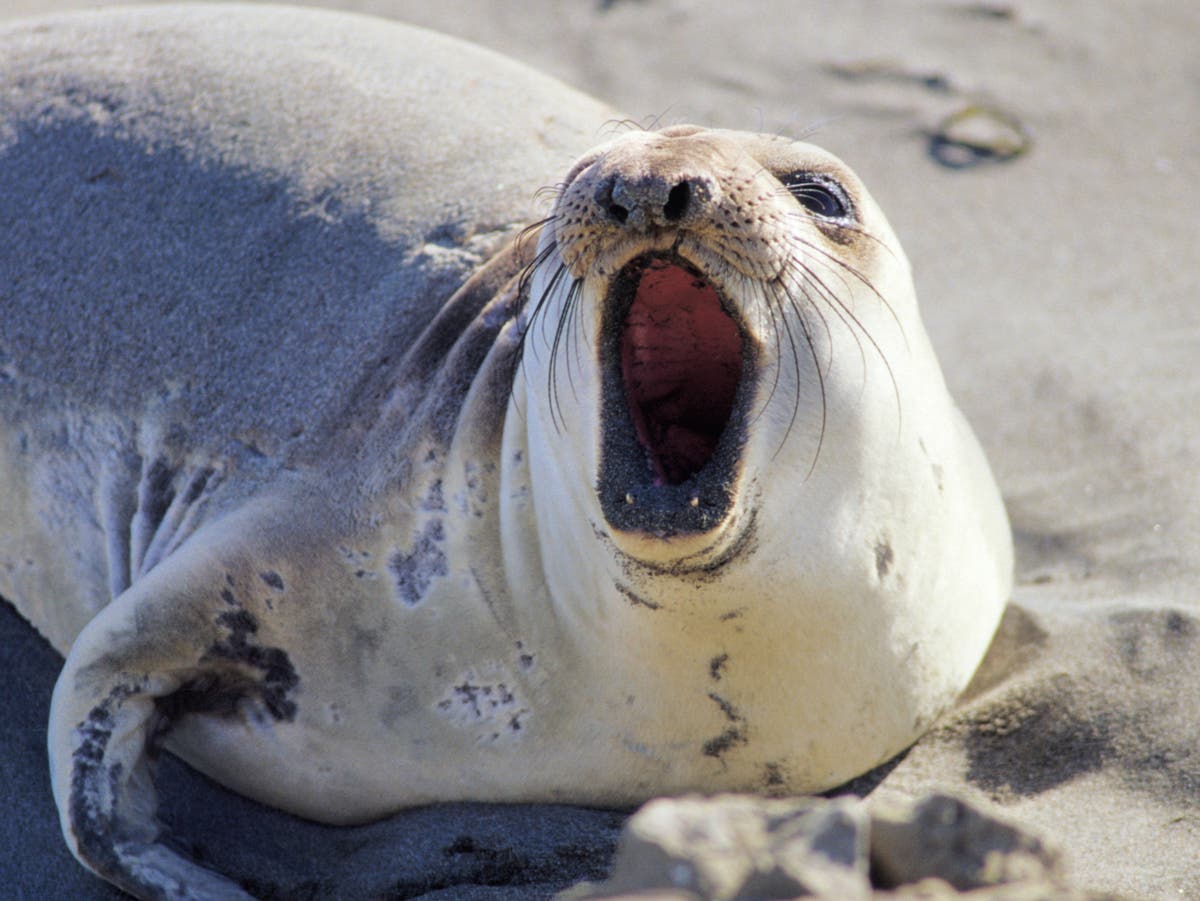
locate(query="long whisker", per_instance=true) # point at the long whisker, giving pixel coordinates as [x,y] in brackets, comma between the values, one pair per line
[799,283]
[774,316]
[802,276]
[565,318]
[551,383]
[853,271]
[539,259]
[778,293]
[812,350]
[533,310]
[838,306]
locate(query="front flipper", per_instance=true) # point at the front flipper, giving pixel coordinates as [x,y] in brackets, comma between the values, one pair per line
[175,633]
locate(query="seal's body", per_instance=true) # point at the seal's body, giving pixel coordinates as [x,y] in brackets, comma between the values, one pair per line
[325,474]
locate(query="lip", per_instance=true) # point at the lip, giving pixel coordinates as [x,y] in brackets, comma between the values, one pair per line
[678,372]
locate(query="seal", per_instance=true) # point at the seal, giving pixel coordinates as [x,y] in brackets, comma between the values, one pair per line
[333,476]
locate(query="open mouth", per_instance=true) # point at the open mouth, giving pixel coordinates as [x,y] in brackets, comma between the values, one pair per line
[681,362]
[677,361]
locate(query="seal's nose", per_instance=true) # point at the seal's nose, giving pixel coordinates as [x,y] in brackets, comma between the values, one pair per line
[634,198]
[648,200]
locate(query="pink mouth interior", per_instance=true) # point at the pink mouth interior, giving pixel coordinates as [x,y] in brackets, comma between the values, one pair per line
[681,361]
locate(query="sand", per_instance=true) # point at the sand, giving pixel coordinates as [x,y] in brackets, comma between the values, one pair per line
[1058,287]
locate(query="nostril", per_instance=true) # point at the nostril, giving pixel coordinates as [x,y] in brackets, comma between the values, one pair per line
[677,202]
[611,196]
[646,202]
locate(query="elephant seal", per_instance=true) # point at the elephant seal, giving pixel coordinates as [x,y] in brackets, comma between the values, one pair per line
[332,475]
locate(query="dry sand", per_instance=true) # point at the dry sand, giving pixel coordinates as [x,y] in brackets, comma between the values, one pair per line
[1060,290]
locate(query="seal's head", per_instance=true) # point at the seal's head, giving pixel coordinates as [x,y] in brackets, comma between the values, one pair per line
[745,467]
[693,291]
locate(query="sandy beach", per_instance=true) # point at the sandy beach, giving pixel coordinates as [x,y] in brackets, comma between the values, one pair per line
[1040,162]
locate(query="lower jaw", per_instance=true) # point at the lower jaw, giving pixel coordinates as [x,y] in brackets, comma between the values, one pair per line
[685,553]
[653,520]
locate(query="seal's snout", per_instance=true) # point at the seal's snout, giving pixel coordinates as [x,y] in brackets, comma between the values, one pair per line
[647,201]
[693,192]
[699,254]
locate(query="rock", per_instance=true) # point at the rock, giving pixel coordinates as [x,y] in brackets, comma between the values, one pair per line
[742,848]
[942,837]
[736,848]
[939,890]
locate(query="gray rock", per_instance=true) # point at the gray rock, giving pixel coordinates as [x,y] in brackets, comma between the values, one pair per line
[942,837]
[741,848]
[736,848]
[938,890]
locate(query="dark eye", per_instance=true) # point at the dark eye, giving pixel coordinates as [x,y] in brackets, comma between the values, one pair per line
[818,194]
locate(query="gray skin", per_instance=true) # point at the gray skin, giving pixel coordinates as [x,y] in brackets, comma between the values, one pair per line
[282,478]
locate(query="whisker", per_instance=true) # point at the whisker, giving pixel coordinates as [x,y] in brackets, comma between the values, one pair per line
[778,291]
[779,313]
[551,286]
[626,125]
[523,317]
[539,259]
[808,340]
[575,324]
[552,390]
[850,320]
[808,279]
[853,270]
[803,285]
[550,192]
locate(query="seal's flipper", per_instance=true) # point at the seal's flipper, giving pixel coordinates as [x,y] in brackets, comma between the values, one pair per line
[118,691]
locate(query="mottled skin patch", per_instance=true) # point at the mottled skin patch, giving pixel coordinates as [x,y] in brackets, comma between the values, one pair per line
[716,665]
[93,819]
[733,736]
[489,709]
[415,570]
[272,579]
[774,778]
[883,558]
[277,677]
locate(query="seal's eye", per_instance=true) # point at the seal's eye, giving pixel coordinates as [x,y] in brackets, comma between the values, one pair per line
[818,194]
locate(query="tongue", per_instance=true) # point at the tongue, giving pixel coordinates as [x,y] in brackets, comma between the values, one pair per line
[681,360]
